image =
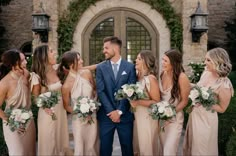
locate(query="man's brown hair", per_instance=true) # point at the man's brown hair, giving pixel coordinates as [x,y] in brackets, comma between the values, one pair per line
[113,40]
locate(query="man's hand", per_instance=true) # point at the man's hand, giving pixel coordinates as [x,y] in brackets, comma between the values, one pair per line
[114,116]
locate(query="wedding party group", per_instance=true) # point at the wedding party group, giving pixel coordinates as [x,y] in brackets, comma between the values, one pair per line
[144,105]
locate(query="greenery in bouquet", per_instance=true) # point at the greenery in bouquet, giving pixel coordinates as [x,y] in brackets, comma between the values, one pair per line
[231,144]
[197,69]
[18,118]
[162,111]
[48,100]
[204,96]
[85,107]
[131,92]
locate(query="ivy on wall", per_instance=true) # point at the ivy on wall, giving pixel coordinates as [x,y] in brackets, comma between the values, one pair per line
[70,18]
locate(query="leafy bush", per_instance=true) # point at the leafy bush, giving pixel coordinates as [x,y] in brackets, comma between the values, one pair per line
[227,120]
[231,145]
[197,69]
[230,29]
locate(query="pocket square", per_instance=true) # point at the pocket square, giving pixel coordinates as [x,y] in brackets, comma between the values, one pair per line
[123,73]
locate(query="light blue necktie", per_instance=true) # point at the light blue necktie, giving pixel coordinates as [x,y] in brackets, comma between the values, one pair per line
[115,69]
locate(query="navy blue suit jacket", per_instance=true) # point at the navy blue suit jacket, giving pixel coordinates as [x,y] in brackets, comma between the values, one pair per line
[107,86]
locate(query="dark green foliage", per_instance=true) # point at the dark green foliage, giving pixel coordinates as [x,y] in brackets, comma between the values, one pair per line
[68,22]
[29,63]
[231,145]
[227,120]
[173,21]
[197,69]
[76,8]
[230,29]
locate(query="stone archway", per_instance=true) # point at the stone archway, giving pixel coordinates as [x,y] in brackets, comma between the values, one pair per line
[152,15]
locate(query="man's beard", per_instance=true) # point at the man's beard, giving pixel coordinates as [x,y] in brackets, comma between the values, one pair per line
[109,57]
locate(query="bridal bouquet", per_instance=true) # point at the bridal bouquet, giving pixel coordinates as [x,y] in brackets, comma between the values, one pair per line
[18,118]
[85,107]
[131,92]
[48,100]
[162,111]
[204,96]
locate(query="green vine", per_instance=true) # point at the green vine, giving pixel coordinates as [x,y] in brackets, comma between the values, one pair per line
[70,18]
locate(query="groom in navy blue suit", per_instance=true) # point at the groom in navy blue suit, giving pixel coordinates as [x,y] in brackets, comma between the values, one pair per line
[114,115]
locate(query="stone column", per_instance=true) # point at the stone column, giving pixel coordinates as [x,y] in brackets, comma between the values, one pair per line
[52,9]
[193,52]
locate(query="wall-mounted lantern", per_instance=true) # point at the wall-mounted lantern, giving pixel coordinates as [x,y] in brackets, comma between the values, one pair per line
[40,24]
[198,23]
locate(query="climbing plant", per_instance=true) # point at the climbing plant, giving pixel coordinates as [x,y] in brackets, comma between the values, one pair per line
[76,8]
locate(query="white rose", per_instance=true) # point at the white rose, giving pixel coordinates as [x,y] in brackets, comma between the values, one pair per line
[161,109]
[140,88]
[47,94]
[193,94]
[92,106]
[204,89]
[16,112]
[164,103]
[25,116]
[52,109]
[205,95]
[159,104]
[84,108]
[17,117]
[154,109]
[83,100]
[39,102]
[168,112]
[124,86]
[129,92]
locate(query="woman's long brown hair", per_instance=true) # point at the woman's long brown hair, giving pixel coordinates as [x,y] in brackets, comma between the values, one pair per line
[10,59]
[177,65]
[39,63]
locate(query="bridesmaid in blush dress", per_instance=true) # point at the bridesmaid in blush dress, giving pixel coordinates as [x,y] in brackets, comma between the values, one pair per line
[53,136]
[145,139]
[175,88]
[17,95]
[201,136]
[79,82]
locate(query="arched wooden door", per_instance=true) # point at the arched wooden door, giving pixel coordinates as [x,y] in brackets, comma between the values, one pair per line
[135,31]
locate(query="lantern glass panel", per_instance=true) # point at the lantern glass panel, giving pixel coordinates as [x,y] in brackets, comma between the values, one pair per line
[40,22]
[199,22]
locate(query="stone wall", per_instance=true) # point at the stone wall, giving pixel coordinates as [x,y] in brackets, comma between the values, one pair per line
[51,7]
[219,11]
[177,5]
[193,51]
[16,18]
